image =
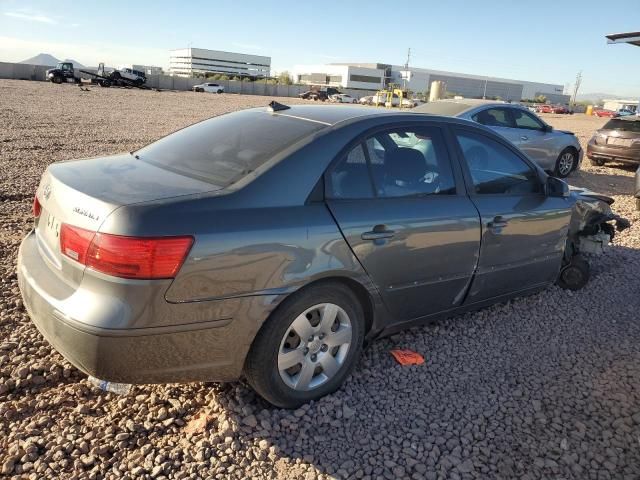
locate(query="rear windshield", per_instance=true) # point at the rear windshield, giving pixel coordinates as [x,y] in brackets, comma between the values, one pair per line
[625,125]
[224,149]
[442,108]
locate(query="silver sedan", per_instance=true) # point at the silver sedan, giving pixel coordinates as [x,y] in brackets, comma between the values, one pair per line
[556,151]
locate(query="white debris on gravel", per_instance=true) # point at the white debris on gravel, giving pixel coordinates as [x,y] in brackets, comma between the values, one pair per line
[541,387]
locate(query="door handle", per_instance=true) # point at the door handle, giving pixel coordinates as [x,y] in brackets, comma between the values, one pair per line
[379,232]
[524,137]
[497,224]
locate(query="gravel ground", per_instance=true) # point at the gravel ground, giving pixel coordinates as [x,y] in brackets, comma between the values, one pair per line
[546,386]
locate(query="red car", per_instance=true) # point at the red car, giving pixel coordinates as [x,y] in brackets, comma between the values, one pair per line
[560,109]
[545,109]
[601,112]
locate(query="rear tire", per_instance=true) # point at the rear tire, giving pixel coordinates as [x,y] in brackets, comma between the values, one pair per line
[296,327]
[566,163]
[596,162]
[219,91]
[575,275]
[57,80]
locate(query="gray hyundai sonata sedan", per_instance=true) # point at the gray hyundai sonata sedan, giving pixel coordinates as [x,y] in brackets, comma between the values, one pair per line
[271,243]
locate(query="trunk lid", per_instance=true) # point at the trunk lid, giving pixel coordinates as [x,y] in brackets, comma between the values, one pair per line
[83,193]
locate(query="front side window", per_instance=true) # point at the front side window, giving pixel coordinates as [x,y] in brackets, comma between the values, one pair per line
[495,169]
[410,162]
[494,117]
[526,121]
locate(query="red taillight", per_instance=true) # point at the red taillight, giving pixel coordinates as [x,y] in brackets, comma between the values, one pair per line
[126,257]
[74,242]
[37,208]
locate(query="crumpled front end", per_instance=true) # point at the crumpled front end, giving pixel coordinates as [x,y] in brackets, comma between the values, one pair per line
[593,223]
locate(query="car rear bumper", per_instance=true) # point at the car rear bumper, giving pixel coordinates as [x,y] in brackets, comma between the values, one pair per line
[209,350]
[604,152]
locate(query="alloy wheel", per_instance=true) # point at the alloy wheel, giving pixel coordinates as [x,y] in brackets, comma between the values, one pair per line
[314,347]
[566,163]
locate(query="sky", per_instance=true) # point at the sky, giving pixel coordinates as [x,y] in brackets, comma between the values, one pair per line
[536,40]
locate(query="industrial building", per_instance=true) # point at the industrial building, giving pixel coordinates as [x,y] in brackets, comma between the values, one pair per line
[372,76]
[190,61]
[615,104]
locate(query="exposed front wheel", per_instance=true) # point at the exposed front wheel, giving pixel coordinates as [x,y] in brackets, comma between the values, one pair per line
[575,275]
[57,80]
[566,163]
[307,347]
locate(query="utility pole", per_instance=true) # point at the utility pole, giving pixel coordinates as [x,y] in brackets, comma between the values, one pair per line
[576,87]
[406,70]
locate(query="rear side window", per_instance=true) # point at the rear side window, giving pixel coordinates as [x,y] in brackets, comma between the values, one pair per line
[350,178]
[495,169]
[224,149]
[494,117]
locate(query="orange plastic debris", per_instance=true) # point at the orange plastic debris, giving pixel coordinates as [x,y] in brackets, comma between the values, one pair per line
[407,357]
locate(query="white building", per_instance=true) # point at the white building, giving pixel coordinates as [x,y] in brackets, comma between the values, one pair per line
[345,76]
[615,104]
[350,75]
[188,61]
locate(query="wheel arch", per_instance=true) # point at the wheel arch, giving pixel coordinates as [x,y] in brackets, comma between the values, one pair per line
[359,290]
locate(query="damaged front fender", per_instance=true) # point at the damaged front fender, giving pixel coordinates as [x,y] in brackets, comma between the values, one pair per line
[593,223]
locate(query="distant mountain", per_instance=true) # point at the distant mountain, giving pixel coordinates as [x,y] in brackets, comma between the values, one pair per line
[76,65]
[42,59]
[599,96]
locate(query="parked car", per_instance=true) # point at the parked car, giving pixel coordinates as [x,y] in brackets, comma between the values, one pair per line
[321,94]
[557,151]
[544,109]
[209,88]
[623,112]
[618,141]
[603,112]
[342,98]
[561,109]
[196,258]
[367,100]
[636,192]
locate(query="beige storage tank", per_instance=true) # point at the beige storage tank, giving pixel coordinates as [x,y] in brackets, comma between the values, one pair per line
[437,91]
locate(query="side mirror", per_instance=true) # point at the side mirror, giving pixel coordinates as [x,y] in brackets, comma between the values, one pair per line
[548,128]
[557,187]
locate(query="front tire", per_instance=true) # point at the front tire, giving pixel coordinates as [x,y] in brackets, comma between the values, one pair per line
[596,162]
[575,275]
[308,346]
[566,163]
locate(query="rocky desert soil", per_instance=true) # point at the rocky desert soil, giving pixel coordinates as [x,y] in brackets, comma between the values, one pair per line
[546,386]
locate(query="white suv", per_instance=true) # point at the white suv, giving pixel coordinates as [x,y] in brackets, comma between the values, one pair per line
[208,87]
[135,76]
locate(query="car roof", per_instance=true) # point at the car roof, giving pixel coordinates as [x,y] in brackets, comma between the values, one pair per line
[330,114]
[457,106]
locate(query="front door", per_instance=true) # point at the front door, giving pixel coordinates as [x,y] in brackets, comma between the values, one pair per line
[395,200]
[523,230]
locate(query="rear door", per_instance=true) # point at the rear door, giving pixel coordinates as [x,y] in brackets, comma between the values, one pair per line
[498,119]
[523,230]
[401,205]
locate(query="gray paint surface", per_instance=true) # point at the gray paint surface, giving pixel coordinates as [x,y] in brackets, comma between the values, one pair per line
[266,236]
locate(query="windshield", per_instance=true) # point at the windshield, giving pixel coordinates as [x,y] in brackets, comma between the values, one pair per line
[224,149]
[626,125]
